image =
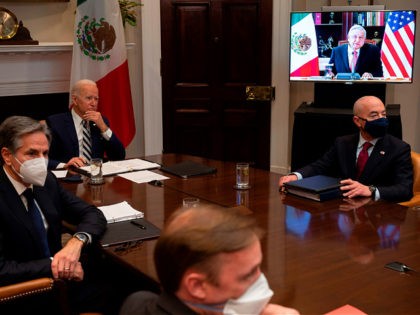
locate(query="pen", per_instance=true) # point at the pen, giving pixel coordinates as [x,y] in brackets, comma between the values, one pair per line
[138,225]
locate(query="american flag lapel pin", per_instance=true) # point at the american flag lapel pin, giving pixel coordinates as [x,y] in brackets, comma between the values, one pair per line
[382,152]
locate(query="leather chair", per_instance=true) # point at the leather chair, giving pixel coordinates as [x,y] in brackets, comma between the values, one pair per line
[415,201]
[18,292]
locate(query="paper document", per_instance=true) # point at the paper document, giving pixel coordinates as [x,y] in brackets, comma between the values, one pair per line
[120,212]
[143,176]
[60,173]
[124,166]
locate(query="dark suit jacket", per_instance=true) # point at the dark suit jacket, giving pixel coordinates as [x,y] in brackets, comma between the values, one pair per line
[148,303]
[20,251]
[369,60]
[64,143]
[389,166]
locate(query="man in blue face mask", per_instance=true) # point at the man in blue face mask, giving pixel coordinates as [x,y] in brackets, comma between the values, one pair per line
[208,262]
[370,163]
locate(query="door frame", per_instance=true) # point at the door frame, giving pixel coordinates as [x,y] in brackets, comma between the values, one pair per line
[152,85]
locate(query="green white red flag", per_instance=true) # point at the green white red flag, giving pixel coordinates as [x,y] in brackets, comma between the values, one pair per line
[304,47]
[99,54]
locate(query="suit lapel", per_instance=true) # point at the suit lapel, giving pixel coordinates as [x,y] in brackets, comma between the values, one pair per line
[15,204]
[375,160]
[346,57]
[71,132]
[350,150]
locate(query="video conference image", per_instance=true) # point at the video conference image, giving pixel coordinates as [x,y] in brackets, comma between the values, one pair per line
[363,46]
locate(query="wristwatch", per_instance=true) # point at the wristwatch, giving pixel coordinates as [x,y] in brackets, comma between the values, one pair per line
[82,237]
[372,191]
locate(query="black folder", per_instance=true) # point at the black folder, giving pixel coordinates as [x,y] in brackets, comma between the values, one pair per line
[188,169]
[129,231]
[319,187]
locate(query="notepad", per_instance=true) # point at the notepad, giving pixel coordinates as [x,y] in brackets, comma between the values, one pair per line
[120,212]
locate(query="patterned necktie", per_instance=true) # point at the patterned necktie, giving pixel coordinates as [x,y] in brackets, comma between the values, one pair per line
[87,144]
[354,61]
[36,218]
[362,159]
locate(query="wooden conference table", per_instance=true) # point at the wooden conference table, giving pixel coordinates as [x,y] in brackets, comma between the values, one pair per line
[317,256]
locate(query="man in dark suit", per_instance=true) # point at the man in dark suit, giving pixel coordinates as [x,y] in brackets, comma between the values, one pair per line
[28,190]
[67,130]
[208,262]
[388,172]
[357,56]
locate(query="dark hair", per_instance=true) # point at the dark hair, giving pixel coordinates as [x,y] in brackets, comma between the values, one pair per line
[13,128]
[194,237]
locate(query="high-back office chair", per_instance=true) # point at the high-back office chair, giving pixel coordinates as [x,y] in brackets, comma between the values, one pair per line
[415,201]
[18,292]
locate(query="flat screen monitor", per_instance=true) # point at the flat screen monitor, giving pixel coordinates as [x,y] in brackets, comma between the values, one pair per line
[323,50]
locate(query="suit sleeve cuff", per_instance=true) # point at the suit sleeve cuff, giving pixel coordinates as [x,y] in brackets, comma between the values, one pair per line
[107,134]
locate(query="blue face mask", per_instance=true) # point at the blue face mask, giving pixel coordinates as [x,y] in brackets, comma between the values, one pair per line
[376,128]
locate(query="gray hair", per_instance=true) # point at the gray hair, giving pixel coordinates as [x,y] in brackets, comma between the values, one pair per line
[13,128]
[357,27]
[77,87]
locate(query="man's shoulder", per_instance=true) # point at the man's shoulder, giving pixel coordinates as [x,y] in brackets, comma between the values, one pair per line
[58,117]
[394,141]
[370,47]
[149,303]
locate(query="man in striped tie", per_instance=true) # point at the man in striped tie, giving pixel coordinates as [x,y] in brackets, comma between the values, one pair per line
[82,133]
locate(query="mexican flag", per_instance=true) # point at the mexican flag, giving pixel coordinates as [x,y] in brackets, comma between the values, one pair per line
[303,46]
[99,54]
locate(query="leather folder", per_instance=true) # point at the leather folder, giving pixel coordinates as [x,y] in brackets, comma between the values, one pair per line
[319,187]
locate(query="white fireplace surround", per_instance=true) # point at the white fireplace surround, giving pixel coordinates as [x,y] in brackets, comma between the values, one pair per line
[36,69]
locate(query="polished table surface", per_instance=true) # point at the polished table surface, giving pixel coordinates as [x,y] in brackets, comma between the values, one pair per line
[317,256]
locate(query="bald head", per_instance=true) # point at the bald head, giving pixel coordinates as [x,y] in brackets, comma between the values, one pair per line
[367,103]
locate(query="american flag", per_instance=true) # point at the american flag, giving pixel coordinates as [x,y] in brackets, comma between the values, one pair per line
[398,45]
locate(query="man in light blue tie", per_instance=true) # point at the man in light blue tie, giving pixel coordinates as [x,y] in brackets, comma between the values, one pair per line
[32,249]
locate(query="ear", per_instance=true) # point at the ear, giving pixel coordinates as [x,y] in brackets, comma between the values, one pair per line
[196,285]
[356,121]
[6,155]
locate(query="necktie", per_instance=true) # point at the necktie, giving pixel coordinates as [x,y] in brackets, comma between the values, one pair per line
[354,61]
[87,144]
[37,221]
[362,159]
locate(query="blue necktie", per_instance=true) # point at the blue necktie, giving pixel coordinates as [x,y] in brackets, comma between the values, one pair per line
[35,215]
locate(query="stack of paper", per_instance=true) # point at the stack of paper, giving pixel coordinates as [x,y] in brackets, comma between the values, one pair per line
[120,212]
[118,167]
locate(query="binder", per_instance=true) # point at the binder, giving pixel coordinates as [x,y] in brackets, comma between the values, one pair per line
[318,188]
[188,169]
[129,231]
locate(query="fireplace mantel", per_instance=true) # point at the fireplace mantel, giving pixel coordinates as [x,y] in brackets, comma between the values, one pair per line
[36,69]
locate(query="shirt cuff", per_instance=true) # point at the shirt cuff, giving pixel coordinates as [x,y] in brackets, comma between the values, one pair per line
[107,134]
[299,175]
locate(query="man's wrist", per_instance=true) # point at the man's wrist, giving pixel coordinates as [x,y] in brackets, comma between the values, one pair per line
[83,237]
[372,190]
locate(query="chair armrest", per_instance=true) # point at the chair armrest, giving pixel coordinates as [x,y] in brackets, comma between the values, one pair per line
[26,288]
